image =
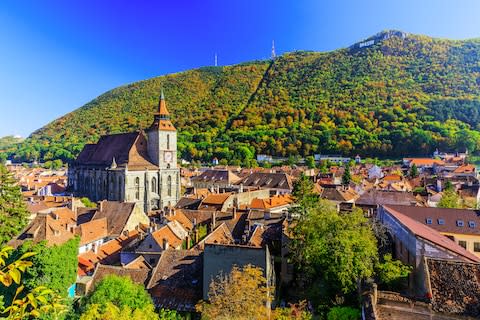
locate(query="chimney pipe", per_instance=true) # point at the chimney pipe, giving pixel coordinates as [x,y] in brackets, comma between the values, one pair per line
[165,244]
[235,213]
[214,220]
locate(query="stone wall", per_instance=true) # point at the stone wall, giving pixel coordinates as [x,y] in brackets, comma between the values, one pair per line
[455,287]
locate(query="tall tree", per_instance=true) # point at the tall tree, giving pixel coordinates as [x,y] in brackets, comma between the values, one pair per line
[121,292]
[347,176]
[450,199]
[242,294]
[333,250]
[303,194]
[413,171]
[13,211]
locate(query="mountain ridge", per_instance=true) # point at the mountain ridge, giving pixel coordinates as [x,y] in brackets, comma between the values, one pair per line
[350,100]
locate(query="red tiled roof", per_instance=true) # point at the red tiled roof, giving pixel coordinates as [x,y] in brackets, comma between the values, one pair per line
[431,235]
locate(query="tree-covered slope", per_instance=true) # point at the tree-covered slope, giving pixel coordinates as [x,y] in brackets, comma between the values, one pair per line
[396,95]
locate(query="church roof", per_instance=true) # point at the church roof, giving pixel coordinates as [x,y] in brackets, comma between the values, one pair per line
[126,148]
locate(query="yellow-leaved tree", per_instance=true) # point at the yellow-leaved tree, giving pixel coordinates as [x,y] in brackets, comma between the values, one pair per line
[242,294]
[25,304]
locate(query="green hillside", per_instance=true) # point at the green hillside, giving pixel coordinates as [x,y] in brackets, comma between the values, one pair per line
[396,95]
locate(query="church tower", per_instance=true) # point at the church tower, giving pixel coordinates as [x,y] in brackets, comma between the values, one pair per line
[162,138]
[162,150]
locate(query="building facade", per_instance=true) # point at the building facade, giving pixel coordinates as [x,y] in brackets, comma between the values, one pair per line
[138,167]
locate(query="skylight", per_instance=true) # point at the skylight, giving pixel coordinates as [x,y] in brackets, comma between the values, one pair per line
[460,223]
[441,221]
[429,220]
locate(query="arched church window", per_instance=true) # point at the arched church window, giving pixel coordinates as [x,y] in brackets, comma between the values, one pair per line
[154,184]
[137,188]
[169,186]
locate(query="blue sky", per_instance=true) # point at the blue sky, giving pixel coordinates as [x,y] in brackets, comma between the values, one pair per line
[57,55]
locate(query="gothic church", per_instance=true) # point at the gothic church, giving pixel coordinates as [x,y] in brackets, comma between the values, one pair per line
[132,167]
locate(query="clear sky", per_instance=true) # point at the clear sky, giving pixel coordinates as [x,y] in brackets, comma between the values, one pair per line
[56,55]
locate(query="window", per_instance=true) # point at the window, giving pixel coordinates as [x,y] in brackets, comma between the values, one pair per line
[154,185]
[429,220]
[168,142]
[463,244]
[441,221]
[472,224]
[476,246]
[137,188]
[169,186]
[460,223]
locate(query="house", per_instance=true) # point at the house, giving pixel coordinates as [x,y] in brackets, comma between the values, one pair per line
[177,280]
[423,164]
[278,183]
[55,226]
[172,235]
[339,194]
[375,172]
[92,235]
[370,200]
[214,179]
[226,201]
[460,225]
[120,216]
[220,259]
[332,158]
[274,204]
[413,240]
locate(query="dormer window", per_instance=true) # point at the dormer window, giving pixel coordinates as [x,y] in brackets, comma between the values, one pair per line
[429,220]
[460,223]
[441,221]
[472,224]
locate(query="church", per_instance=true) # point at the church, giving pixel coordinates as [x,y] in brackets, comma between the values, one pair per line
[136,167]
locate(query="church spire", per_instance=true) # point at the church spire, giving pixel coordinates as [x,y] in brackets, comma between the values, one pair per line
[162,107]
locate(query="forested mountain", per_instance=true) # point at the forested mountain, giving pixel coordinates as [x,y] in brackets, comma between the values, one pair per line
[393,94]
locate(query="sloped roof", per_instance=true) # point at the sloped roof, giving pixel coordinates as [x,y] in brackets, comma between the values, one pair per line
[117,214]
[267,180]
[449,217]
[380,197]
[214,175]
[430,234]
[54,227]
[167,233]
[177,280]
[138,276]
[127,149]
[272,202]
[93,230]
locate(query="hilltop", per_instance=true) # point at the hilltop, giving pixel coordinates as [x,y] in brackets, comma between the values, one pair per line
[392,94]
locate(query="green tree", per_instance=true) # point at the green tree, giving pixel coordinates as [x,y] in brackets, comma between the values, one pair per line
[121,292]
[413,171]
[450,199]
[346,177]
[303,194]
[343,313]
[310,162]
[391,273]
[13,211]
[333,250]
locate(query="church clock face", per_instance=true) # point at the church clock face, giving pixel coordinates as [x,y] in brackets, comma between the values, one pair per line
[168,156]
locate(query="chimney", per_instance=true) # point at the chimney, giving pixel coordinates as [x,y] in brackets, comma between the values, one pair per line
[100,205]
[241,188]
[235,215]
[194,222]
[165,244]
[439,185]
[187,239]
[214,220]
[196,234]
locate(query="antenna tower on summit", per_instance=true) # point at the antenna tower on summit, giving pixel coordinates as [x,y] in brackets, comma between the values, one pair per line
[216,60]
[274,55]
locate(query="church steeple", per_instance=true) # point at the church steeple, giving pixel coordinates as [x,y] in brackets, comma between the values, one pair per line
[162,107]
